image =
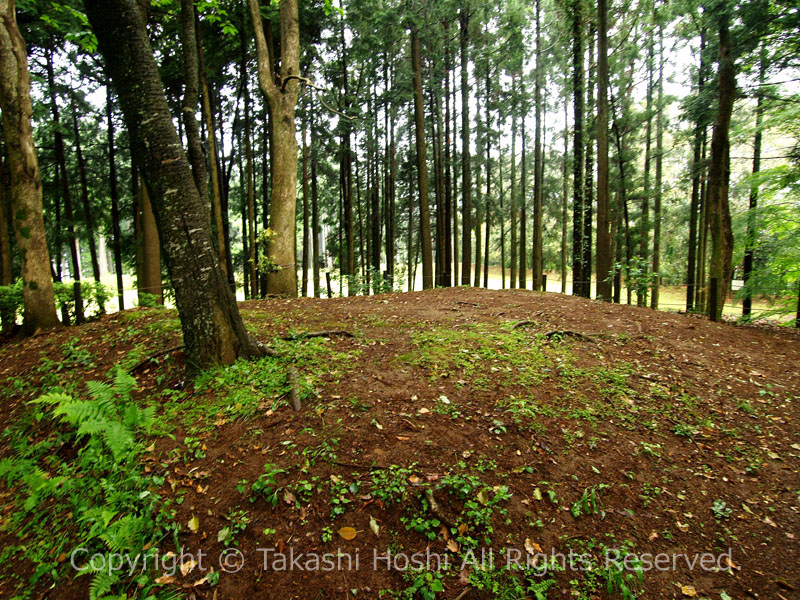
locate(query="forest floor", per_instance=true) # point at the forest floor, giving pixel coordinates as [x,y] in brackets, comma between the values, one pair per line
[524,443]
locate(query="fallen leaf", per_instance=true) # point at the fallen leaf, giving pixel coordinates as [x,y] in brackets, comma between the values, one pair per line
[688,590]
[453,545]
[348,533]
[223,534]
[537,494]
[188,566]
[194,524]
[483,497]
[373,525]
[532,547]
[165,580]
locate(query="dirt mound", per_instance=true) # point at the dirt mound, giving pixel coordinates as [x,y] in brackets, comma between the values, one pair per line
[546,432]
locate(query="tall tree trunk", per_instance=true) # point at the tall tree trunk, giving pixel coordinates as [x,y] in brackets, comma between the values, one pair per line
[502,224]
[523,209]
[538,162]
[644,225]
[696,170]
[213,158]
[654,296]
[282,98]
[306,236]
[719,171]
[116,241]
[87,209]
[189,102]
[213,332]
[438,154]
[315,232]
[750,238]
[479,202]
[250,228]
[603,255]
[447,277]
[514,203]
[564,198]
[588,192]
[422,166]
[66,195]
[487,201]
[702,244]
[26,185]
[577,146]
[466,183]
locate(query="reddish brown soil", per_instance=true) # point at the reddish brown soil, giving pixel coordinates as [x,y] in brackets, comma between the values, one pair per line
[721,365]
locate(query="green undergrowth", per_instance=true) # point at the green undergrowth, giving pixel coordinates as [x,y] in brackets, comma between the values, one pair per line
[250,387]
[78,488]
[482,355]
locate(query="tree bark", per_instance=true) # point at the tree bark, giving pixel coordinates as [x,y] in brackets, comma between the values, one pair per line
[577,150]
[696,171]
[306,233]
[603,242]
[422,166]
[588,192]
[719,170]
[514,204]
[564,197]
[116,241]
[26,185]
[282,98]
[538,162]
[315,232]
[654,295]
[523,209]
[466,183]
[644,224]
[213,330]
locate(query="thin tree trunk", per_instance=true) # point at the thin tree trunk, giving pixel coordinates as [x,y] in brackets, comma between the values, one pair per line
[564,197]
[306,237]
[577,159]
[644,225]
[603,254]
[116,242]
[588,193]
[654,296]
[211,141]
[250,225]
[696,171]
[523,209]
[514,204]
[66,195]
[466,183]
[538,161]
[447,276]
[87,209]
[719,172]
[750,237]
[422,166]
[502,224]
[315,232]
[487,200]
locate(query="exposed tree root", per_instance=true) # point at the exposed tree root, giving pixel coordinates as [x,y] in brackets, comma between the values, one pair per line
[316,334]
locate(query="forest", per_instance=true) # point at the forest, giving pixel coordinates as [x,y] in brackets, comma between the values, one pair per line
[399,277]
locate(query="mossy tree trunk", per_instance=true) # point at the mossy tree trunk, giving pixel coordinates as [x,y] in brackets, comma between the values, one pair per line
[25,182]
